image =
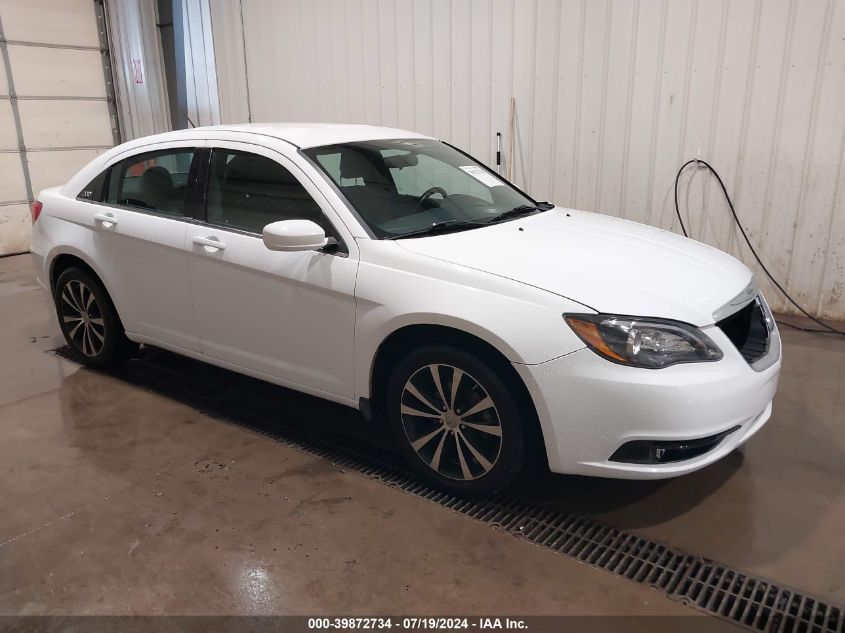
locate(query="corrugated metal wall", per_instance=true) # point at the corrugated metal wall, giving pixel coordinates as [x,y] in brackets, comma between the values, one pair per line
[139,70]
[202,104]
[143,92]
[612,96]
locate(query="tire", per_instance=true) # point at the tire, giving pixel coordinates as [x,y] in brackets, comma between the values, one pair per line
[491,438]
[89,321]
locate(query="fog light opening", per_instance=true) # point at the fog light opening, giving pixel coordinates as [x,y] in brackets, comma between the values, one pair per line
[667,452]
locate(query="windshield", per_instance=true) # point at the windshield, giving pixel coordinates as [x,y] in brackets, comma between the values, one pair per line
[404,186]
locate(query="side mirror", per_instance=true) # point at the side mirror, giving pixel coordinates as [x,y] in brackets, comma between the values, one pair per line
[294,235]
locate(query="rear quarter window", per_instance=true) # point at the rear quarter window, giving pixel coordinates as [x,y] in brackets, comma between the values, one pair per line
[93,191]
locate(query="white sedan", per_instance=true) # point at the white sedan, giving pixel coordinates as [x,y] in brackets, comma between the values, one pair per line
[393,273]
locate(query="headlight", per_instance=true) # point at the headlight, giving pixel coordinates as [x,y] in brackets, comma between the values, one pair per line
[648,343]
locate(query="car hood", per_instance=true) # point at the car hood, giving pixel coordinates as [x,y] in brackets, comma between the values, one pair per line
[606,263]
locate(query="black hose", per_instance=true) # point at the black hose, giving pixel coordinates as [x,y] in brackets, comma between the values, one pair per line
[827,328]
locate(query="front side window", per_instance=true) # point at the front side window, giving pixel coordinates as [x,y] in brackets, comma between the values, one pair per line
[248,192]
[156,181]
[403,186]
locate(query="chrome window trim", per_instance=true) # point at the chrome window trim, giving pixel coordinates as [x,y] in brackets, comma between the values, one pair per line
[342,249]
[748,294]
[772,354]
[745,296]
[142,210]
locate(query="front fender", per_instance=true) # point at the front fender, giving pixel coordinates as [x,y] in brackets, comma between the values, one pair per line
[524,323]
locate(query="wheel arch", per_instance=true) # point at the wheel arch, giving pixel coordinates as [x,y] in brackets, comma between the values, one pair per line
[409,337]
[60,262]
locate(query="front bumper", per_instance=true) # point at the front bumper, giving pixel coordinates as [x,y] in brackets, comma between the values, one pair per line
[589,407]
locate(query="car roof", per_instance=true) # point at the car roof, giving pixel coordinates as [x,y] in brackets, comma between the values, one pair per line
[302,135]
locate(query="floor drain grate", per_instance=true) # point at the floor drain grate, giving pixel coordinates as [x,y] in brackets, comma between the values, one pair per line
[715,589]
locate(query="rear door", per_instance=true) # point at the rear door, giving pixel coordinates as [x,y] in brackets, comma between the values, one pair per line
[139,235]
[287,316]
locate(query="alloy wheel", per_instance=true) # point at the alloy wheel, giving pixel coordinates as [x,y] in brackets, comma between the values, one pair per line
[451,422]
[82,318]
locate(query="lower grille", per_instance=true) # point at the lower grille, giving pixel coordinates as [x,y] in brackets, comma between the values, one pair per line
[748,331]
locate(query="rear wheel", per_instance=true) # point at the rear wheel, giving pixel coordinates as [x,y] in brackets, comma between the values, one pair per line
[456,421]
[88,320]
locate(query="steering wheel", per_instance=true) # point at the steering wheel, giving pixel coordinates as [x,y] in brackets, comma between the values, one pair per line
[427,194]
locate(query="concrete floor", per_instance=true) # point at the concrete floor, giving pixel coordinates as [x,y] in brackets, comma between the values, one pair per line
[120,500]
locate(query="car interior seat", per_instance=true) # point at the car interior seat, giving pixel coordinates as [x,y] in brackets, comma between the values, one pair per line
[255,191]
[157,190]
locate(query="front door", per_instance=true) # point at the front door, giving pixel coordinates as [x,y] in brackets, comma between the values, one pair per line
[287,316]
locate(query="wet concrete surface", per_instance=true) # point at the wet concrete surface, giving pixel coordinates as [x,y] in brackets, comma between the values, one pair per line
[120,495]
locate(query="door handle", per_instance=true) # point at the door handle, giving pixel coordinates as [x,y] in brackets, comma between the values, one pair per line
[105,218]
[209,242]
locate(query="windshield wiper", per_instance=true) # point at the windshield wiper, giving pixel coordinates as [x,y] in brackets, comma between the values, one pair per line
[523,209]
[439,227]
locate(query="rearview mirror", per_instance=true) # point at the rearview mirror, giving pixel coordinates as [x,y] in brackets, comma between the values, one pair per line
[294,235]
[400,161]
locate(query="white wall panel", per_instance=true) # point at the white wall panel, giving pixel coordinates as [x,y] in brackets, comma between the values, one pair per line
[15,228]
[227,35]
[461,73]
[54,55]
[52,168]
[57,72]
[203,105]
[66,22]
[612,96]
[371,72]
[12,187]
[55,123]
[8,134]
[820,245]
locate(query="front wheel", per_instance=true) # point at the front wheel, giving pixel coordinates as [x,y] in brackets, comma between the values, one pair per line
[456,421]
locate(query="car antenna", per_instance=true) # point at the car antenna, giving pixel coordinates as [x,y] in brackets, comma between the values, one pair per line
[185,114]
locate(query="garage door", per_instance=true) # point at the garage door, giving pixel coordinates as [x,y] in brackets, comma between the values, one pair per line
[56,105]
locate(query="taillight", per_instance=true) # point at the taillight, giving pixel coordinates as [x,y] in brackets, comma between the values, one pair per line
[35,210]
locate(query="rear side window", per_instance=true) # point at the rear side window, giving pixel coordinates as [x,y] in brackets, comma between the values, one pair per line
[93,191]
[248,192]
[155,181]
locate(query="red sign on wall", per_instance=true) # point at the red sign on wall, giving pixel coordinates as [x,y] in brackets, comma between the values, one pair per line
[137,71]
